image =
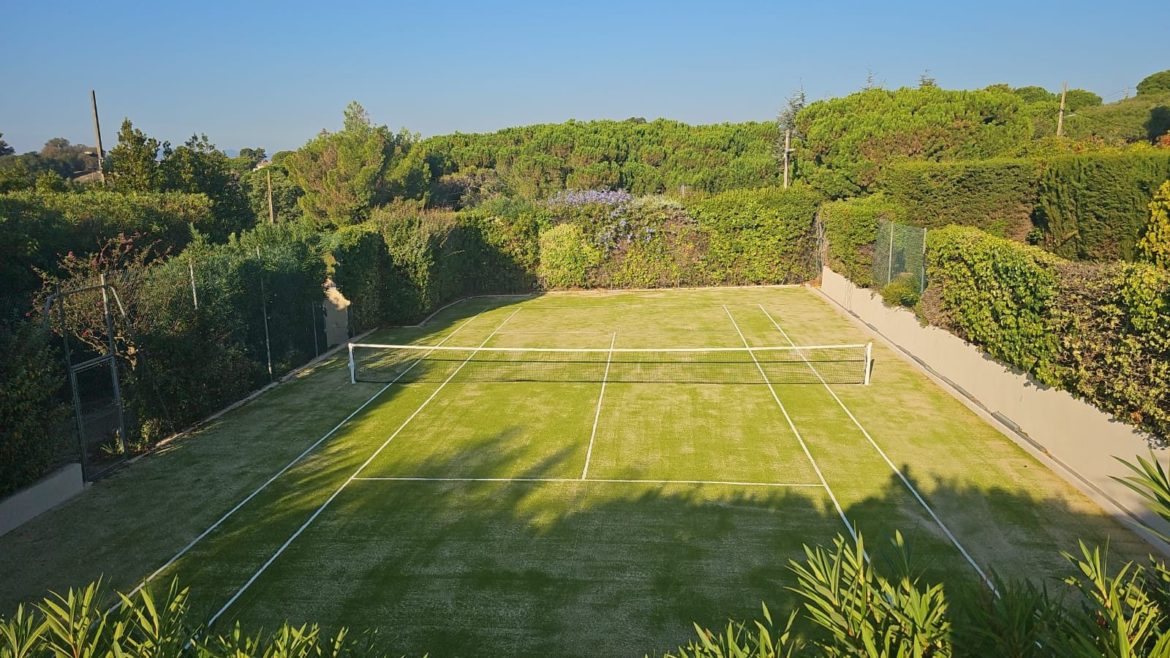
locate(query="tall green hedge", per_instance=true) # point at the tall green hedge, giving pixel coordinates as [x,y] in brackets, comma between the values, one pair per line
[1095,206]
[995,293]
[850,229]
[1100,331]
[995,195]
[31,378]
[759,236]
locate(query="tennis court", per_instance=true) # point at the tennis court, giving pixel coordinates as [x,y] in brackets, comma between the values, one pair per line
[579,473]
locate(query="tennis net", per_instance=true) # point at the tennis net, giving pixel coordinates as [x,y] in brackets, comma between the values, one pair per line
[813,364]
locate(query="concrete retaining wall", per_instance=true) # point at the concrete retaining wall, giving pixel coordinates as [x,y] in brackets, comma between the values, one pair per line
[41,497]
[1080,441]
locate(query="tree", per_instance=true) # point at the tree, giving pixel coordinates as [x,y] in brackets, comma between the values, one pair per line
[1155,244]
[5,149]
[344,174]
[197,167]
[1157,83]
[134,165]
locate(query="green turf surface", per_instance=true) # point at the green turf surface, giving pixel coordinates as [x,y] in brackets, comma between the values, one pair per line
[468,529]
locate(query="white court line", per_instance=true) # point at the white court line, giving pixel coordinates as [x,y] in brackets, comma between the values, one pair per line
[792,425]
[898,471]
[597,414]
[729,483]
[351,478]
[282,471]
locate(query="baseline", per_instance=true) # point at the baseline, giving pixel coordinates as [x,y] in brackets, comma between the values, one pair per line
[901,476]
[313,517]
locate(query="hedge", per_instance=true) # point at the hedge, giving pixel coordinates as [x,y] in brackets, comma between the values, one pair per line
[759,236]
[995,195]
[1099,331]
[31,377]
[850,229]
[1095,206]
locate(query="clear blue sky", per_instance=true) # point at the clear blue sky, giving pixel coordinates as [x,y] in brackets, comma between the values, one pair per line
[272,74]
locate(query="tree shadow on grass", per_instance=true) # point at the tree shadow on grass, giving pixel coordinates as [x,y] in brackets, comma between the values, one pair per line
[590,568]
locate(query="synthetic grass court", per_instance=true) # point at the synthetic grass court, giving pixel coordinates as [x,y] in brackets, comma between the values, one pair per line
[474,517]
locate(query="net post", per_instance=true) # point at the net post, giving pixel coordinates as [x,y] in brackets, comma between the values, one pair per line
[868,360]
[352,368]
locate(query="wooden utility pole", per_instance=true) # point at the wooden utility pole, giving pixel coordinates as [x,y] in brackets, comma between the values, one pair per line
[97,131]
[787,150]
[271,212]
[1060,117]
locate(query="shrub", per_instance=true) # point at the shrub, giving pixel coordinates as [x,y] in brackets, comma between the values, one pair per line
[1155,244]
[902,291]
[30,409]
[994,195]
[995,293]
[1099,331]
[850,228]
[759,236]
[1095,206]
[566,257]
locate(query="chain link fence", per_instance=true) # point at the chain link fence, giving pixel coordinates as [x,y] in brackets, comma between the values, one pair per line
[899,255]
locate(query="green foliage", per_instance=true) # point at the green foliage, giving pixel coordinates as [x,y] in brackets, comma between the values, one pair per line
[1141,119]
[566,257]
[1155,83]
[1095,206]
[759,236]
[863,613]
[197,167]
[30,413]
[1100,331]
[759,639]
[133,162]
[995,195]
[82,623]
[857,136]
[995,293]
[285,194]
[641,157]
[850,226]
[1113,323]
[405,262]
[89,217]
[1155,244]
[5,149]
[345,174]
[363,271]
[902,291]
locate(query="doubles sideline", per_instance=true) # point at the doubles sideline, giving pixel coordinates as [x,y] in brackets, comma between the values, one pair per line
[897,471]
[313,517]
[792,426]
[227,515]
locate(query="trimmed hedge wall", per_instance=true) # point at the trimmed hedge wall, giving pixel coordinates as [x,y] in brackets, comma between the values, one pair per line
[1095,207]
[995,195]
[1100,331]
[759,236]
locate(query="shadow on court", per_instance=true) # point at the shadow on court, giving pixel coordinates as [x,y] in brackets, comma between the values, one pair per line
[589,568]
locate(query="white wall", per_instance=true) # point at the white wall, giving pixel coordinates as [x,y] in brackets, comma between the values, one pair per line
[41,497]
[1082,440]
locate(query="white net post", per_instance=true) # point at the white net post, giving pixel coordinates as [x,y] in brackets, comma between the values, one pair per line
[352,366]
[868,361]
